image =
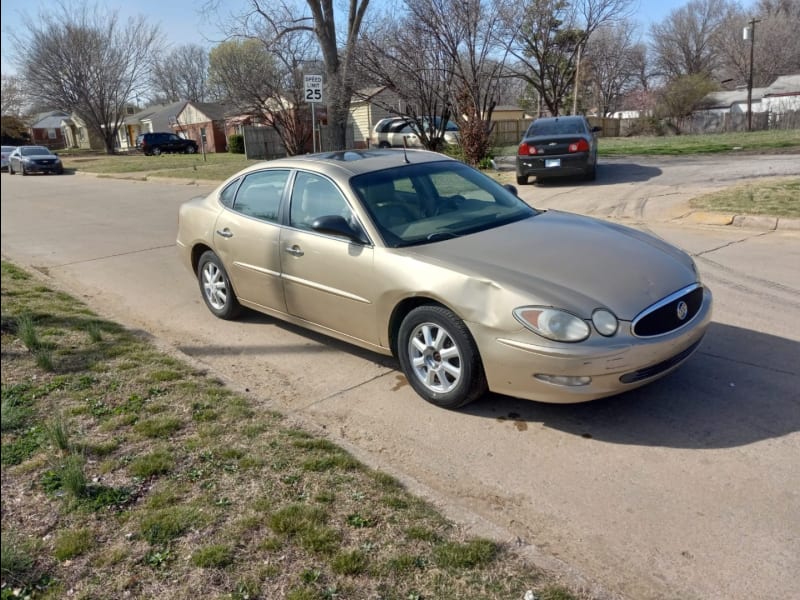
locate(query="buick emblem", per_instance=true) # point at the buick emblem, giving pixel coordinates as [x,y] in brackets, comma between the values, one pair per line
[682,310]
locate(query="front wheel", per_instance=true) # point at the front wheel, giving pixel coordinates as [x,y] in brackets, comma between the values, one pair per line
[190,149]
[156,151]
[439,357]
[10,170]
[216,288]
[22,170]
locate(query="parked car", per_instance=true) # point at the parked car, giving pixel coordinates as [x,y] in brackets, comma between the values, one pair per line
[160,142]
[34,159]
[412,253]
[558,147]
[5,152]
[395,132]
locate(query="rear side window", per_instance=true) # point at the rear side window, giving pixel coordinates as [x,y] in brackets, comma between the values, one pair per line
[260,195]
[227,195]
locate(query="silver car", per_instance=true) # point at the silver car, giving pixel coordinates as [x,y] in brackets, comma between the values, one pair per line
[417,255]
[34,159]
[4,156]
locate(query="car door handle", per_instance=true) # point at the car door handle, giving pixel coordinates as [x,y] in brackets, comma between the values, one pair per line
[226,233]
[294,250]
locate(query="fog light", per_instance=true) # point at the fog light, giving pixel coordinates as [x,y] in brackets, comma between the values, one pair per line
[566,380]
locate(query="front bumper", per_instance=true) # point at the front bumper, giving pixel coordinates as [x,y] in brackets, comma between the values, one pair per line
[614,365]
[34,167]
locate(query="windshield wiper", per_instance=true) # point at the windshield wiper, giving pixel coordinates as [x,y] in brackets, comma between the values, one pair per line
[441,235]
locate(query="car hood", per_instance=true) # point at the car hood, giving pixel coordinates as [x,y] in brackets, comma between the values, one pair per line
[39,156]
[569,261]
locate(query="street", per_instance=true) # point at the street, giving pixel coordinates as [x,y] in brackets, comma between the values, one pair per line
[686,488]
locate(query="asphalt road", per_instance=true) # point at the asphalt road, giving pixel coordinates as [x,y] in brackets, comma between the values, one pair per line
[688,488]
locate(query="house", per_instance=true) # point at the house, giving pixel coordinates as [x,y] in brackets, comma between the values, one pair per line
[48,130]
[152,119]
[204,123]
[367,107]
[732,101]
[782,95]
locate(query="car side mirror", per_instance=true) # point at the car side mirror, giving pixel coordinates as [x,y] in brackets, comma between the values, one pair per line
[510,188]
[338,225]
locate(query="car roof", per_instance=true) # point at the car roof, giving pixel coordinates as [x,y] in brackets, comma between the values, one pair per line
[564,118]
[353,162]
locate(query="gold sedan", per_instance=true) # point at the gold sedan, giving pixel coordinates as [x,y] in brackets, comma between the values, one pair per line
[410,253]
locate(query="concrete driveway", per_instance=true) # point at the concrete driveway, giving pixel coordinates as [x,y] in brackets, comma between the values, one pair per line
[687,488]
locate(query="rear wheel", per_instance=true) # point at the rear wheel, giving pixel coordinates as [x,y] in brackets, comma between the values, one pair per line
[156,151]
[384,145]
[440,358]
[22,170]
[10,170]
[190,150]
[591,173]
[216,288]
[522,180]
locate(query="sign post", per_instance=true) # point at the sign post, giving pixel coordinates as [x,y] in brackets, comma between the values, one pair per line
[313,94]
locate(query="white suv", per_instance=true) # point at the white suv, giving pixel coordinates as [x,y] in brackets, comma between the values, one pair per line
[391,132]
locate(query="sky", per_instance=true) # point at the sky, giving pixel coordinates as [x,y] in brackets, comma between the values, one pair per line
[182,21]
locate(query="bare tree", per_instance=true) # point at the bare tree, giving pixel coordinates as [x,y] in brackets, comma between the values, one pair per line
[777,45]
[266,83]
[685,43]
[612,64]
[422,80]
[547,36]
[12,96]
[337,46]
[82,60]
[181,75]
[467,33]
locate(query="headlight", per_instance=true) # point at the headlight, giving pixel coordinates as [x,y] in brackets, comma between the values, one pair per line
[605,322]
[552,323]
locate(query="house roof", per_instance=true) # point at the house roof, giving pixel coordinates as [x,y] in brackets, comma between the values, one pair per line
[785,85]
[49,120]
[725,99]
[159,116]
[215,112]
[367,94]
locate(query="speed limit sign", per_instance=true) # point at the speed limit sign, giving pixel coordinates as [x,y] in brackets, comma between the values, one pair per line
[313,89]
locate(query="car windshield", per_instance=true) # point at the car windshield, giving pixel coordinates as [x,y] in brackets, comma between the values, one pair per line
[555,127]
[8,149]
[34,151]
[429,202]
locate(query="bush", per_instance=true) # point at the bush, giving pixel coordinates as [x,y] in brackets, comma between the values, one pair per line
[236,143]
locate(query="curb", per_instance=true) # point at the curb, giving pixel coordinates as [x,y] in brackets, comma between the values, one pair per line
[762,222]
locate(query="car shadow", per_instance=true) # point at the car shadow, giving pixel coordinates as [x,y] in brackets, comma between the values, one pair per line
[740,387]
[608,173]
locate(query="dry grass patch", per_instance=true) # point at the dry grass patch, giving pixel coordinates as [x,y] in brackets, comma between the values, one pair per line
[128,473]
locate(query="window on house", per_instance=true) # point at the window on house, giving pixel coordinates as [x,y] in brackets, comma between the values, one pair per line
[51,133]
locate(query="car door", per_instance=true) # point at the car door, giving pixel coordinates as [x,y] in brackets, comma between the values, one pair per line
[328,280]
[247,237]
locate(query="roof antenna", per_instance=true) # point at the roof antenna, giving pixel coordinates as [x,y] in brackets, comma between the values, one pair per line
[405,145]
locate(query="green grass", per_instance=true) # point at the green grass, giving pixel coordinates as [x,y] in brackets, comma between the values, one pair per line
[775,197]
[216,166]
[711,143]
[138,463]
[701,144]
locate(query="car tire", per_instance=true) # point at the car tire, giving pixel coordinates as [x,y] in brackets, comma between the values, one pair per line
[439,357]
[22,170]
[591,173]
[522,180]
[156,151]
[384,145]
[216,288]
[190,150]
[10,170]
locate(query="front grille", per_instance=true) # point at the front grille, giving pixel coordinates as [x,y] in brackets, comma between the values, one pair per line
[665,316]
[654,370]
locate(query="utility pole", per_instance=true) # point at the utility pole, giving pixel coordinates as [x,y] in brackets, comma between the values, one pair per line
[577,75]
[751,33]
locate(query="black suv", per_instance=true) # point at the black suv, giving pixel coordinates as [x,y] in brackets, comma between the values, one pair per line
[156,143]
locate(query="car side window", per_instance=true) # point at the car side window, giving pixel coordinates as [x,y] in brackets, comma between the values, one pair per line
[227,195]
[314,197]
[260,195]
